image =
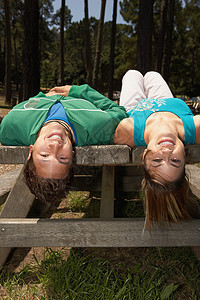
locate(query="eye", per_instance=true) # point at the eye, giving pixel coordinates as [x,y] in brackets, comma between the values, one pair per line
[63,159]
[157,160]
[175,160]
[44,155]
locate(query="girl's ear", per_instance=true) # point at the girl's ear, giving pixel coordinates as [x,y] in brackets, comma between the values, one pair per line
[30,152]
[143,155]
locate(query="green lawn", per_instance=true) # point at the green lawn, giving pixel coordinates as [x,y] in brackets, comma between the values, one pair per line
[105,273]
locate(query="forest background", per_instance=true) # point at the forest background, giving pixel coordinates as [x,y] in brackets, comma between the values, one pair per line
[40,48]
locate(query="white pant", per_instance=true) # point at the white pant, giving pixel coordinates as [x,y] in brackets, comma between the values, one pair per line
[136,87]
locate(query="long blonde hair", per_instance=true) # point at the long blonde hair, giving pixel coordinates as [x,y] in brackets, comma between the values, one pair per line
[165,201]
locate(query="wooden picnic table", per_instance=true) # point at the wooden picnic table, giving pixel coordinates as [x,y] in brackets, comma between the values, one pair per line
[119,171]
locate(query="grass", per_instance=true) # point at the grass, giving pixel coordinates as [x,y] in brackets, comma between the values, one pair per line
[105,273]
[89,277]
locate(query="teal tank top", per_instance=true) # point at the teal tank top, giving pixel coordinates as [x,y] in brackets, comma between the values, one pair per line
[146,107]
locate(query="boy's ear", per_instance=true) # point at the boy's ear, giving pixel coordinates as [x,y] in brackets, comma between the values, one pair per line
[30,152]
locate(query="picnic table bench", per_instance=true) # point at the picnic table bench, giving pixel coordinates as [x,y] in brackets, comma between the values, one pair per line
[117,169]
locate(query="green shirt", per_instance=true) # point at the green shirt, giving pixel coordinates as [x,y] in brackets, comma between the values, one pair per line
[93,116]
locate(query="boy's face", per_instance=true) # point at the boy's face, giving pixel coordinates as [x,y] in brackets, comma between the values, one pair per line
[52,152]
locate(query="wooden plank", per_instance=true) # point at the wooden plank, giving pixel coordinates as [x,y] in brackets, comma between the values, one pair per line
[196,251]
[19,200]
[193,154]
[129,183]
[7,180]
[131,170]
[87,155]
[3,198]
[102,155]
[194,179]
[92,155]
[13,154]
[86,183]
[107,193]
[137,154]
[95,233]
[18,204]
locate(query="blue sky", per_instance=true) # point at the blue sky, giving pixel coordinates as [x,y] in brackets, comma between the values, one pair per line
[94,6]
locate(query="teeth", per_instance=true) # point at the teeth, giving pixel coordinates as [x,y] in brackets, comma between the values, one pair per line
[166,143]
[55,136]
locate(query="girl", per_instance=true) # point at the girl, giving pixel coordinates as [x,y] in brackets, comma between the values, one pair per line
[163,124]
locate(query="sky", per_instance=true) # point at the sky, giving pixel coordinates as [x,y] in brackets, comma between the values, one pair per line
[94,7]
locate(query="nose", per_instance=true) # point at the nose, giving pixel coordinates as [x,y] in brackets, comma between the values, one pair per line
[55,145]
[166,152]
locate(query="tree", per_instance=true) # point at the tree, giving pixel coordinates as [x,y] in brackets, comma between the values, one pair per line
[8,53]
[160,45]
[61,54]
[87,45]
[112,51]
[144,43]
[98,46]
[167,38]
[31,65]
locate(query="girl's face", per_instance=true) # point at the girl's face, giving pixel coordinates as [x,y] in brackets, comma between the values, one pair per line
[165,157]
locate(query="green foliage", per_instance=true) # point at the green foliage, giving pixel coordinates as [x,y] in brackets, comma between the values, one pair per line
[185,56]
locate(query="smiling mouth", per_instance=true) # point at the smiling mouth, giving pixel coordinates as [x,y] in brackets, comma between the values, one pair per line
[165,142]
[56,136]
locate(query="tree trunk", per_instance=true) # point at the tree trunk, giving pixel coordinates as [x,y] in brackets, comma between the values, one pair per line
[165,71]
[112,51]
[144,44]
[161,37]
[2,59]
[8,54]
[16,61]
[61,56]
[98,46]
[31,66]
[88,46]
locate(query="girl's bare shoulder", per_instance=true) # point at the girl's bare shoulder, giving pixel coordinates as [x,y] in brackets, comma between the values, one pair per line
[124,133]
[197,128]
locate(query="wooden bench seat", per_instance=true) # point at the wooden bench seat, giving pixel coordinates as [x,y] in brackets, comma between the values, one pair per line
[118,170]
[7,181]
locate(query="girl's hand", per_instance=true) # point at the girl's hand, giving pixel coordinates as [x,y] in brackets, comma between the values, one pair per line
[59,90]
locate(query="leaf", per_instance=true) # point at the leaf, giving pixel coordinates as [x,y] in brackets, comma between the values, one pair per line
[168,290]
[121,291]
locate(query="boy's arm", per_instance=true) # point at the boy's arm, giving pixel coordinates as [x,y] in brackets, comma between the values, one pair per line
[97,99]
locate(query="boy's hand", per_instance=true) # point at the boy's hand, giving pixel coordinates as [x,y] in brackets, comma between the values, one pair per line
[59,90]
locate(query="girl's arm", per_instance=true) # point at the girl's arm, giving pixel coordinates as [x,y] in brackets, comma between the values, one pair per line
[197,128]
[124,133]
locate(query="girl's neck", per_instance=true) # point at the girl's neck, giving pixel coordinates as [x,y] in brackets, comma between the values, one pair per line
[159,123]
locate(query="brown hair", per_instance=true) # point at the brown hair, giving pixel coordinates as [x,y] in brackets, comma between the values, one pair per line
[45,189]
[165,201]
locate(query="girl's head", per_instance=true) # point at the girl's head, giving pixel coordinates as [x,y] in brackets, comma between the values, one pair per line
[165,201]
[165,183]
[164,158]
